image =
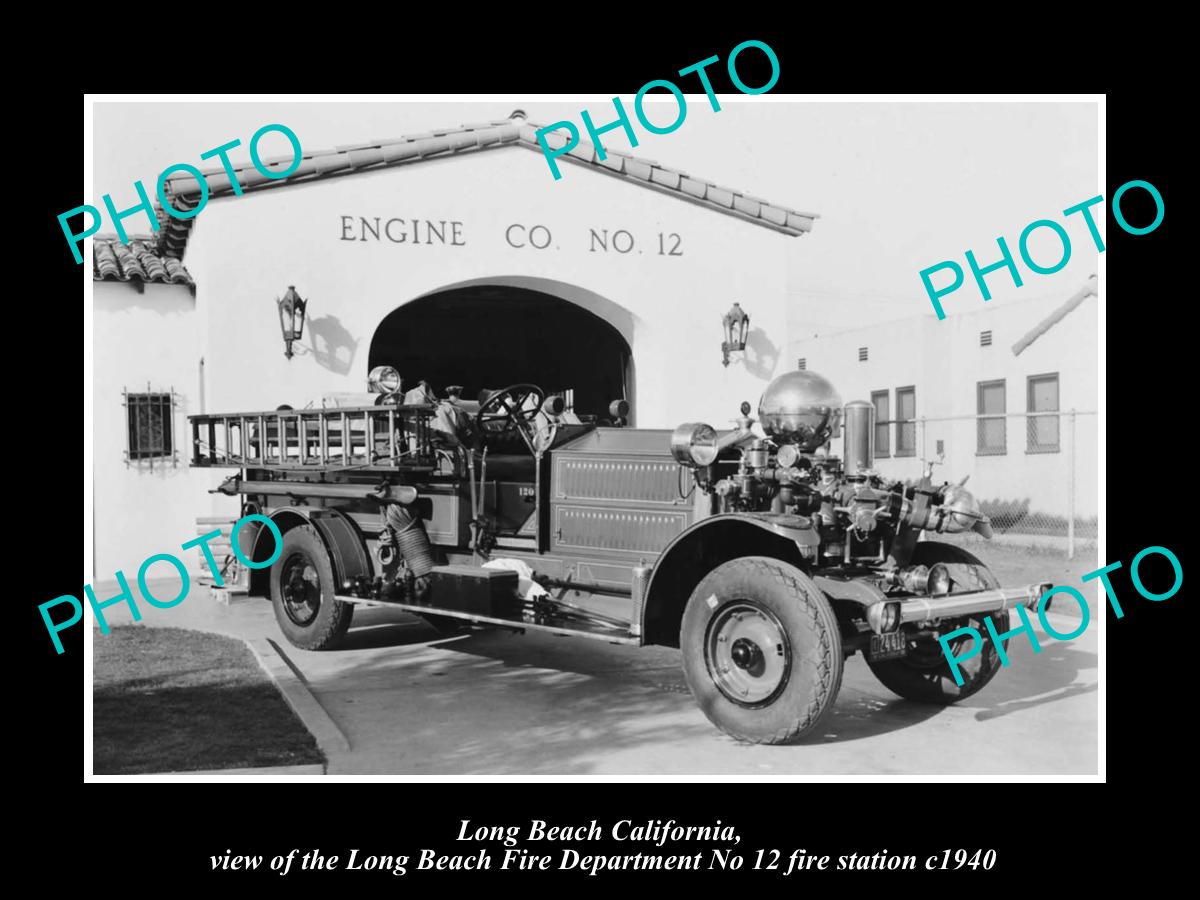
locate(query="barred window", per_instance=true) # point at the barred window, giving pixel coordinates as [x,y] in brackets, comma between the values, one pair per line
[906,426]
[1043,398]
[802,364]
[992,433]
[862,354]
[149,426]
[883,415]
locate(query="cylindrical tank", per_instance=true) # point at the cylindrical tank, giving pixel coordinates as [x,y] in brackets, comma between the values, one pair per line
[858,434]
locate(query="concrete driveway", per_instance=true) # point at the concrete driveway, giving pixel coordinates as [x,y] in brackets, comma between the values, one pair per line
[498,703]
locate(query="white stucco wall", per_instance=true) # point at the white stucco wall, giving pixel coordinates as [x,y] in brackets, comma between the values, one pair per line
[141,510]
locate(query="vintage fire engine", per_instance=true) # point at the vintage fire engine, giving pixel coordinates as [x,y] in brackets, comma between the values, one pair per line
[763,557]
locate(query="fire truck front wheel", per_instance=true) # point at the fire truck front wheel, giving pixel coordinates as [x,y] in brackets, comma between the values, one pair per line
[302,592]
[924,675]
[762,651]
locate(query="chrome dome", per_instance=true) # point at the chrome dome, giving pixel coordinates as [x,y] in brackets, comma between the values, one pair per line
[799,408]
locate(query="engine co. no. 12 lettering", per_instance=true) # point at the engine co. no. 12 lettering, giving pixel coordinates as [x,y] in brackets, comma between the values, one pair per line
[518,235]
[622,242]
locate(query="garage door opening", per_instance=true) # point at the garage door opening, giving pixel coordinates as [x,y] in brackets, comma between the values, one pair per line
[489,336]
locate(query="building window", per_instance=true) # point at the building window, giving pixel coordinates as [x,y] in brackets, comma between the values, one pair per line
[862,354]
[990,405]
[883,416]
[906,426]
[802,364]
[985,338]
[1043,398]
[149,427]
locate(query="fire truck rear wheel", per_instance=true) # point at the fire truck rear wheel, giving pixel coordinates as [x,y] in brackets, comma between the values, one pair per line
[302,592]
[924,675]
[762,652]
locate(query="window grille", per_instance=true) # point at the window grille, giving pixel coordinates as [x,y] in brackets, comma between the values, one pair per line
[883,416]
[1042,397]
[906,425]
[149,427]
[992,437]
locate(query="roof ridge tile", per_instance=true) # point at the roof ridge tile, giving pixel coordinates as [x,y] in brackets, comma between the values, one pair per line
[171,242]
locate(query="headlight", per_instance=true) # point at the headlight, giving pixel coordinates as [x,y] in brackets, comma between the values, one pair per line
[939,580]
[883,616]
[914,579]
[694,444]
[383,380]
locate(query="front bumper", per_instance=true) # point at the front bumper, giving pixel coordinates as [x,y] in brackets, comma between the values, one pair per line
[924,609]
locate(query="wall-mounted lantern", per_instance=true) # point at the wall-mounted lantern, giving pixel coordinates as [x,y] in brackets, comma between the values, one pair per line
[737,324]
[291,318]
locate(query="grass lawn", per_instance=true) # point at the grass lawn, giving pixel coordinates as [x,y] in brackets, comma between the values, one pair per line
[170,700]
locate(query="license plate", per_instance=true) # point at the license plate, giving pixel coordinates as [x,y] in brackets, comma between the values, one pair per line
[888,646]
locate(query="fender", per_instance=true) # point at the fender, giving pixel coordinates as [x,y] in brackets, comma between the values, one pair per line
[965,578]
[853,589]
[346,546]
[741,534]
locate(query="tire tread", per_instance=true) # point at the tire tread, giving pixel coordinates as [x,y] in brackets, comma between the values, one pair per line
[829,665]
[328,630]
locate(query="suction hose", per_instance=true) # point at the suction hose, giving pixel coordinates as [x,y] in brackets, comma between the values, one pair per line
[412,543]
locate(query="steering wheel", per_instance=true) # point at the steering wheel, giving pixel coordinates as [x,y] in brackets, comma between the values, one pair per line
[511,409]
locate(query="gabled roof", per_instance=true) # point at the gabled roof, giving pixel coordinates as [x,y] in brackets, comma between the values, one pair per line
[1088,290]
[137,263]
[515,131]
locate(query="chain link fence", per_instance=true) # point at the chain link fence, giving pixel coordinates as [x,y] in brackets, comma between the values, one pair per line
[1035,474]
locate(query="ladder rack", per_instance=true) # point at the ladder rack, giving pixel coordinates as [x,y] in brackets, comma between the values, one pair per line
[369,437]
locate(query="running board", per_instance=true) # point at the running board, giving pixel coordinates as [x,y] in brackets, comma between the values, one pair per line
[597,633]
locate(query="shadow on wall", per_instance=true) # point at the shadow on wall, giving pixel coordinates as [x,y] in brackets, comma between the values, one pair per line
[761,356]
[162,300]
[333,347]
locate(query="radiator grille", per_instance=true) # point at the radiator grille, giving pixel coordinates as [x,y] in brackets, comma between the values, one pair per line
[608,479]
[617,529]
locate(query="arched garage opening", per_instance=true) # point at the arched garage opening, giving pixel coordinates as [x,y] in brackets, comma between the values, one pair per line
[489,336]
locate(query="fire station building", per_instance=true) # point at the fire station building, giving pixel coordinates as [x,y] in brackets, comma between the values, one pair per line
[453,256]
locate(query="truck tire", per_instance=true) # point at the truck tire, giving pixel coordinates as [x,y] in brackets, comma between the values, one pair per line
[762,652]
[924,675]
[302,592]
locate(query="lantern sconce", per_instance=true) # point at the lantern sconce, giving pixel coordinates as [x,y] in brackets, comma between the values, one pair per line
[291,318]
[736,324]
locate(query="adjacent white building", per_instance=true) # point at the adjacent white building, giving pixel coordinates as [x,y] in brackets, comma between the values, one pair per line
[1007,393]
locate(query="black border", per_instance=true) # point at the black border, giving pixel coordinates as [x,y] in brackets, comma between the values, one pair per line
[1036,829]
